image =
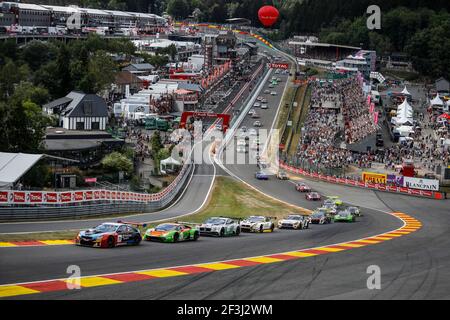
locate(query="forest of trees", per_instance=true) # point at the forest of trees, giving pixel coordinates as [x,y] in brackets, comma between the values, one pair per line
[38,72]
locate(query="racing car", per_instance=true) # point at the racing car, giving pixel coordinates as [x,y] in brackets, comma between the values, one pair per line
[336,200]
[344,216]
[257,224]
[302,187]
[313,196]
[109,235]
[281,175]
[297,222]
[220,226]
[330,208]
[321,216]
[260,175]
[355,211]
[172,232]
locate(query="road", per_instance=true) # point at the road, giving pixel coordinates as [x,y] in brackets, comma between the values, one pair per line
[414,266]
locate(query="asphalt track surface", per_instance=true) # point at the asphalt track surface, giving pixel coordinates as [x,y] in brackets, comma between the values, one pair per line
[415,266]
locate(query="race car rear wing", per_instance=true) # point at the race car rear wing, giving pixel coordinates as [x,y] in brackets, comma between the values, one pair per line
[232,218]
[188,223]
[134,224]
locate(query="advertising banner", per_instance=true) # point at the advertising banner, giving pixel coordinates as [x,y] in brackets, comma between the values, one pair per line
[421,184]
[279,66]
[374,177]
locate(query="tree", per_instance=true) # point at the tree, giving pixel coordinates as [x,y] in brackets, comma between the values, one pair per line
[155,142]
[10,75]
[116,162]
[179,9]
[22,120]
[37,53]
[101,72]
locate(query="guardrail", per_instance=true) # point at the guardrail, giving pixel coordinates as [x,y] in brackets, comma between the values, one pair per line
[21,205]
[365,185]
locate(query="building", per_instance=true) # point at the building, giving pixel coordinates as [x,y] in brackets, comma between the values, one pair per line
[363,61]
[89,147]
[128,79]
[79,111]
[36,15]
[141,69]
[184,49]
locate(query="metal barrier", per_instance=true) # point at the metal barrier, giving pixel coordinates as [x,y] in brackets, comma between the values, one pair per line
[97,208]
[365,185]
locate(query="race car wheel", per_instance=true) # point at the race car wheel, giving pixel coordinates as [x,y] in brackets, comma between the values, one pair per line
[176,236]
[222,232]
[261,229]
[111,242]
[238,231]
[136,240]
[196,236]
[272,227]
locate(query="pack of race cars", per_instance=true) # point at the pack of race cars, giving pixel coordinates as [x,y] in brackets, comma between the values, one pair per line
[108,235]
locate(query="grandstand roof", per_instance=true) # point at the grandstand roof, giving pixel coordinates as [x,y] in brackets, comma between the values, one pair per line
[324,45]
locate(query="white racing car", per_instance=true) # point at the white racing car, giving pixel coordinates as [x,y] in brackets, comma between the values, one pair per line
[257,224]
[220,226]
[297,222]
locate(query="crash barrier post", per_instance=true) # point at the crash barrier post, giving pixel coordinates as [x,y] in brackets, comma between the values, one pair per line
[362,184]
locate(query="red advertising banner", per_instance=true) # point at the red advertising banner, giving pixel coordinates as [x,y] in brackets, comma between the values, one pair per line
[3,196]
[66,196]
[283,66]
[79,196]
[51,197]
[18,197]
[88,195]
[36,197]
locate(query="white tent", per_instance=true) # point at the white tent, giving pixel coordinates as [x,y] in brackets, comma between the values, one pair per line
[399,121]
[15,165]
[437,101]
[404,104]
[168,164]
[406,92]
[405,131]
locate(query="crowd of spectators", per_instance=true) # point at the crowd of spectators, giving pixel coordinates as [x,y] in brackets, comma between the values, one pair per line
[337,109]
[318,146]
[359,123]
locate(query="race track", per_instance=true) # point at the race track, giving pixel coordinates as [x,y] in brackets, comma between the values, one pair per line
[413,266]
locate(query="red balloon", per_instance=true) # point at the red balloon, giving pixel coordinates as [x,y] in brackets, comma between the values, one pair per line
[268,15]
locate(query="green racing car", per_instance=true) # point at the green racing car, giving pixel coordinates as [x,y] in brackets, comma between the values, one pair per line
[172,232]
[344,216]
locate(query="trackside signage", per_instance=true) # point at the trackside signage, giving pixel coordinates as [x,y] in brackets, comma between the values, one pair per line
[284,66]
[421,184]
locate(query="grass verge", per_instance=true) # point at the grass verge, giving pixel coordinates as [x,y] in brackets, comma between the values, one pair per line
[229,198]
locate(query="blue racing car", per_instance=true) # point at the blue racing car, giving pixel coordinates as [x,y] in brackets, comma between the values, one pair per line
[261,176]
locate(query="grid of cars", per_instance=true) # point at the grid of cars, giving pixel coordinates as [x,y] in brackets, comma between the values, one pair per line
[114,234]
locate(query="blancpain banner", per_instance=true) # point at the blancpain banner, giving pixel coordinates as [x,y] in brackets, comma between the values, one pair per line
[422,184]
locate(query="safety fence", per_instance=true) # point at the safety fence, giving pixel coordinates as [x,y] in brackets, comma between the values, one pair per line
[362,184]
[19,205]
